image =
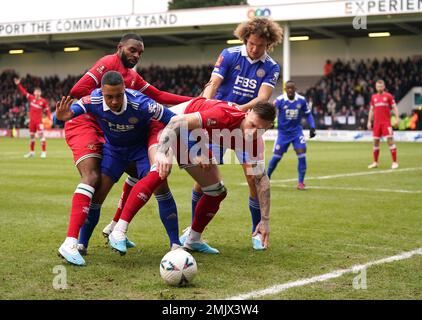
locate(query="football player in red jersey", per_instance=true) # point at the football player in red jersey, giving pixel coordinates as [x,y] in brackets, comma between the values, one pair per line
[37,105]
[85,138]
[380,112]
[229,126]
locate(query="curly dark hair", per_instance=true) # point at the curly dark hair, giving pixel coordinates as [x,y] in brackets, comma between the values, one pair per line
[263,28]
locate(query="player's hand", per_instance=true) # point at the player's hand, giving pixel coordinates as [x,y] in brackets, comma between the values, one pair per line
[263,228]
[369,126]
[164,163]
[312,133]
[17,81]
[63,112]
[396,123]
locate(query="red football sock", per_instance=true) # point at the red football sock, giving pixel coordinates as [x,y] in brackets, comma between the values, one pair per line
[205,210]
[32,145]
[80,207]
[43,145]
[393,151]
[376,151]
[140,195]
[127,187]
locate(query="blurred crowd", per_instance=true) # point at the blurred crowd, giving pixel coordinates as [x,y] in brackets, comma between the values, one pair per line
[339,100]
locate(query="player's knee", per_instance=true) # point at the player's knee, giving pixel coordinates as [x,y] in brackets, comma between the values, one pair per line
[92,178]
[216,190]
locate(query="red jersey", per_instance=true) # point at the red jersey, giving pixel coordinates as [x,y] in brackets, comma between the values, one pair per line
[382,104]
[108,63]
[36,106]
[217,115]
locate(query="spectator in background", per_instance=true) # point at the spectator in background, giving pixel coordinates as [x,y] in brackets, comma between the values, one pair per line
[328,67]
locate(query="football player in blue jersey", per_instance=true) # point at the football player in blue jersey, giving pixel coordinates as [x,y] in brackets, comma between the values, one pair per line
[244,75]
[124,116]
[291,108]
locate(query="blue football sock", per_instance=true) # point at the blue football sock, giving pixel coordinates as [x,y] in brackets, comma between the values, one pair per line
[168,215]
[195,198]
[90,223]
[273,164]
[301,168]
[255,212]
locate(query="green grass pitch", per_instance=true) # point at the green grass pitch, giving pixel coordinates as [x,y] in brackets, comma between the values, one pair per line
[337,223]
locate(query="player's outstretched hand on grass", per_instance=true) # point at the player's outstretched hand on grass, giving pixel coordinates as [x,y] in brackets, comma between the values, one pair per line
[312,133]
[263,228]
[63,111]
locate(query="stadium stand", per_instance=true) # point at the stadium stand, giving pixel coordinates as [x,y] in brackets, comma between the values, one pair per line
[339,100]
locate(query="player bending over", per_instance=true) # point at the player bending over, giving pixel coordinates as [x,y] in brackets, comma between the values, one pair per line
[291,108]
[214,116]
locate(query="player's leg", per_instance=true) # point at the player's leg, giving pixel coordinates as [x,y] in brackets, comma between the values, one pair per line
[41,136]
[32,131]
[388,132]
[130,181]
[218,153]
[299,144]
[280,147]
[214,193]
[87,210]
[166,204]
[377,133]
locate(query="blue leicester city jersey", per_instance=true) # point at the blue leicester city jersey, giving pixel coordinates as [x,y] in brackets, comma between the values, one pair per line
[130,125]
[290,113]
[243,77]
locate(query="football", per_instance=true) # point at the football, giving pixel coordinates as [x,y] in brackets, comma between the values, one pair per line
[178,267]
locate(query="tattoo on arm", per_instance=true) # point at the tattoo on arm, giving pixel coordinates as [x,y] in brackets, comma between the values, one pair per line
[262,183]
[169,135]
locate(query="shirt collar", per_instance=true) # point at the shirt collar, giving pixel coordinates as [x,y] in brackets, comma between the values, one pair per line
[286,98]
[124,107]
[245,54]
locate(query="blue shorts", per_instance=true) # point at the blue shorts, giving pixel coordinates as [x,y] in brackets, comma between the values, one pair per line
[219,152]
[283,142]
[116,160]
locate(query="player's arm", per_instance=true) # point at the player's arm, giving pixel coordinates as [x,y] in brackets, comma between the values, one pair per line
[66,109]
[221,68]
[370,117]
[264,94]
[21,88]
[395,111]
[168,137]
[311,121]
[164,97]
[212,86]
[262,184]
[91,79]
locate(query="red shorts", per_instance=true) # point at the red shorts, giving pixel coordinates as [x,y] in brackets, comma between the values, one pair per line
[84,137]
[34,127]
[155,128]
[382,130]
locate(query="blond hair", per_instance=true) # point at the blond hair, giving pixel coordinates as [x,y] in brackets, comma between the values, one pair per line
[261,27]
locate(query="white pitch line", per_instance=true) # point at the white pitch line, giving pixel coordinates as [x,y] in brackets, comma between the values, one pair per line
[324,277]
[344,175]
[353,189]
